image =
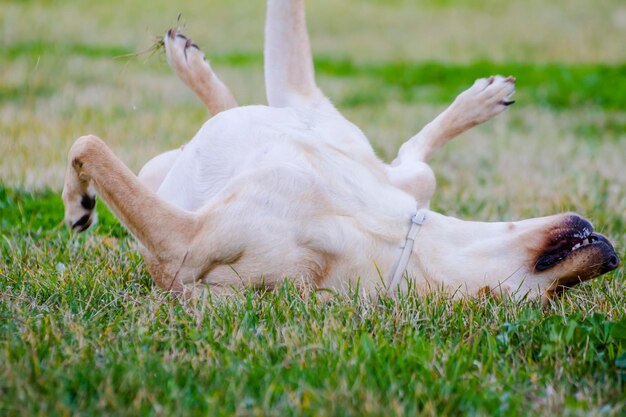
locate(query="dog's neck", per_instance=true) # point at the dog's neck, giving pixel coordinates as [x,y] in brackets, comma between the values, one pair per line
[400,267]
[446,248]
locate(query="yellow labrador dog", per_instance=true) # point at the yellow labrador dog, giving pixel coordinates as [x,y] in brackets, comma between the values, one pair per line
[293,190]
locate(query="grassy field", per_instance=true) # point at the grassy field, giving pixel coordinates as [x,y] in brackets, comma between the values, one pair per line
[84,332]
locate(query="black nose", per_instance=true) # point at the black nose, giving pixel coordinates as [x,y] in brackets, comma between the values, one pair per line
[613,262]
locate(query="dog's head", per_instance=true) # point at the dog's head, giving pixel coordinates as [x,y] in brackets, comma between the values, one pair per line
[572,253]
[543,256]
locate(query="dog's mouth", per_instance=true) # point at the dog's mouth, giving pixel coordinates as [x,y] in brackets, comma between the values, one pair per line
[570,245]
[576,253]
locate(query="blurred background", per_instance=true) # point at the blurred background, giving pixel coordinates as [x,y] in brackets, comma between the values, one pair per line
[68,68]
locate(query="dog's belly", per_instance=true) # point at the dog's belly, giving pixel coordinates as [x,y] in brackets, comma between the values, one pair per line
[255,137]
[303,205]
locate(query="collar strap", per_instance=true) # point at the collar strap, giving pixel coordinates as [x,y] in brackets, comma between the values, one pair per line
[416,222]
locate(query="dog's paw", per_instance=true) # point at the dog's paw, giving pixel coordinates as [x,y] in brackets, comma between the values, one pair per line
[80,213]
[186,59]
[487,98]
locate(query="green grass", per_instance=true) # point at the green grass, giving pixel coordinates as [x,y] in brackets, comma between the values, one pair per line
[83,330]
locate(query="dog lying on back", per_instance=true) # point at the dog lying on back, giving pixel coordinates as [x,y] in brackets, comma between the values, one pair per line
[293,190]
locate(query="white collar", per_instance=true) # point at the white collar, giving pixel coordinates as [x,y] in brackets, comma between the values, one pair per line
[416,221]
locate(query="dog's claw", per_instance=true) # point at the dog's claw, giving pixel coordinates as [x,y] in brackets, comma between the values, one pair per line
[83,223]
[508,102]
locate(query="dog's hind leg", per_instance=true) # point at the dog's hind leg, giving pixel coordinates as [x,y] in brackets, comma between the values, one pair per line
[289,72]
[188,62]
[487,98]
[178,246]
[166,231]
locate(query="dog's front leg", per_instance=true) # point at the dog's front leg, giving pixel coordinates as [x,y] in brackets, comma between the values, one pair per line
[487,98]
